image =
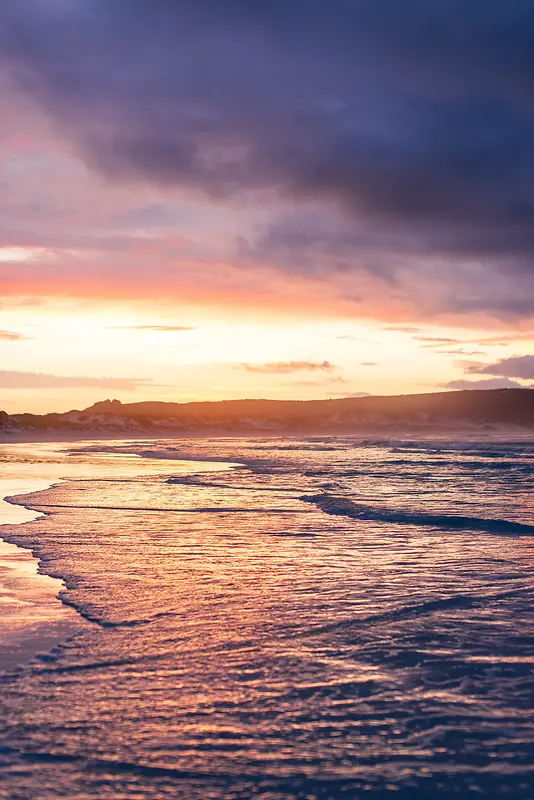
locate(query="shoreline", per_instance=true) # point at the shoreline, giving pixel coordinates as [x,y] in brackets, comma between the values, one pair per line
[33,620]
[401,432]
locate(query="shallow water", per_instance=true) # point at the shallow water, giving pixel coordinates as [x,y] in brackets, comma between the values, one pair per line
[327,619]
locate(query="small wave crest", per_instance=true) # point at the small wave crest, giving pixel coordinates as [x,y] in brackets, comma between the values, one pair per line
[343,506]
[193,480]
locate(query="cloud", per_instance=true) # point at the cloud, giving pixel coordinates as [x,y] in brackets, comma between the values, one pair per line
[435,341]
[159,328]
[38,380]
[488,383]
[321,383]
[281,367]
[514,367]
[369,363]
[317,122]
[403,329]
[404,148]
[12,336]
[506,338]
[152,216]
[460,352]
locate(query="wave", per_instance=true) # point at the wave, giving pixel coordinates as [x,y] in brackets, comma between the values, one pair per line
[510,466]
[428,607]
[504,449]
[314,448]
[162,453]
[425,608]
[192,480]
[162,510]
[515,467]
[90,616]
[342,506]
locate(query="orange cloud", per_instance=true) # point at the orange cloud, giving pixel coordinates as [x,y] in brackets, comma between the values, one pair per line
[280,367]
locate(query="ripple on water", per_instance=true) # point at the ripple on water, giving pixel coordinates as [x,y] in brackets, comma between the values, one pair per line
[289,654]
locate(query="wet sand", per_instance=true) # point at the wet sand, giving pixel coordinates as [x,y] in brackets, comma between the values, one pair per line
[32,618]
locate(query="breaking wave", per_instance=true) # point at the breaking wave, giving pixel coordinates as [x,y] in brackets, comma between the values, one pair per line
[342,506]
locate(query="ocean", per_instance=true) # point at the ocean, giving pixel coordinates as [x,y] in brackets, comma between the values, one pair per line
[275,618]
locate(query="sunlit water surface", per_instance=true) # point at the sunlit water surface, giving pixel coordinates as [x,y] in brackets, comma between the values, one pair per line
[318,618]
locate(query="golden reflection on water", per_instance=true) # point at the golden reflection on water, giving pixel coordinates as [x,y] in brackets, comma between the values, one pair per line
[243,642]
[29,599]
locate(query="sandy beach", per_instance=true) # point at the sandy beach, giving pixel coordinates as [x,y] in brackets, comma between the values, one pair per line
[32,618]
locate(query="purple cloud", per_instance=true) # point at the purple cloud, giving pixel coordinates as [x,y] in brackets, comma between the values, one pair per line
[488,383]
[404,148]
[514,367]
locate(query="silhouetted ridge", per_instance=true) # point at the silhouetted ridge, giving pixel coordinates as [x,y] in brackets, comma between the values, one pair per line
[479,409]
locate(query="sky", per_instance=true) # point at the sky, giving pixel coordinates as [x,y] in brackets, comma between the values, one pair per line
[202,200]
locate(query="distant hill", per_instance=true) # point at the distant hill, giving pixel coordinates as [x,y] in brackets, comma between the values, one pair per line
[475,410]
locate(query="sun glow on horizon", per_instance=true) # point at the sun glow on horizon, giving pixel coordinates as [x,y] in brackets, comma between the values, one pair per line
[118,353]
[152,247]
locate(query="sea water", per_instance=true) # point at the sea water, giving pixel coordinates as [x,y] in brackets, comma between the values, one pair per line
[279,618]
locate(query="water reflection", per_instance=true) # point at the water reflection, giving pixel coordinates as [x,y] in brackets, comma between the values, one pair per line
[287,654]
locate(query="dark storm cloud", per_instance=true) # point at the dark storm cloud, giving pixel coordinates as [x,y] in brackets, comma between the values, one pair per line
[415,116]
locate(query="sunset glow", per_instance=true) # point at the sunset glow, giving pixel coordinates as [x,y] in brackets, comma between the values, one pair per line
[117,262]
[266,399]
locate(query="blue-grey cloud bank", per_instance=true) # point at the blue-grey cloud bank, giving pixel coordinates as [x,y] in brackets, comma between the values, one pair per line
[406,128]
